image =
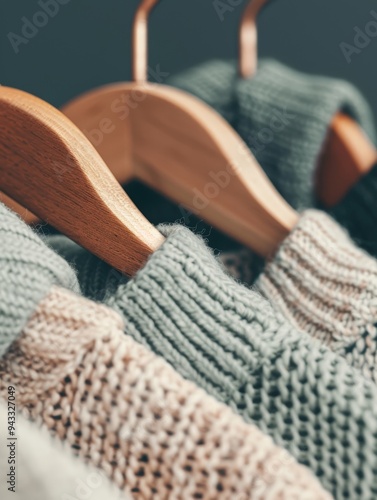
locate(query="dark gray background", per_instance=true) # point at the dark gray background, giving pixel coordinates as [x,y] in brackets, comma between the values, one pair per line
[88,42]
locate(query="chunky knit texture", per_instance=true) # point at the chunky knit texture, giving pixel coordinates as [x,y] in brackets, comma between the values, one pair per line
[127,411]
[28,269]
[47,470]
[358,212]
[327,286]
[281,114]
[230,341]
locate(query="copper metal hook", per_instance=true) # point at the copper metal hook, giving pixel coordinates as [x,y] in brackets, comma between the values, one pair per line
[248,38]
[140,41]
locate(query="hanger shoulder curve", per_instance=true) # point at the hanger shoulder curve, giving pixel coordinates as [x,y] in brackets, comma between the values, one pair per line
[184,149]
[348,155]
[104,116]
[49,167]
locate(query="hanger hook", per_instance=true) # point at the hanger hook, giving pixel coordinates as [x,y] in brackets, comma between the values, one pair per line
[140,41]
[248,38]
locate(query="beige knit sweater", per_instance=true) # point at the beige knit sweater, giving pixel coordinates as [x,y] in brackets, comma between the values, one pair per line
[125,410]
[327,286]
[46,470]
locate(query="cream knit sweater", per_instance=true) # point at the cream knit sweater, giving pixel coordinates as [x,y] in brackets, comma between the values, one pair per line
[323,284]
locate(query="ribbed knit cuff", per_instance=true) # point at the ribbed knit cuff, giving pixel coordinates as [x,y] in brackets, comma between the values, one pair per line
[28,269]
[358,212]
[327,286]
[126,411]
[282,115]
[229,341]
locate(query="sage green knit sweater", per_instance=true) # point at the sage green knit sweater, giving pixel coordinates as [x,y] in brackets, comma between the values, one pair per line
[284,117]
[281,114]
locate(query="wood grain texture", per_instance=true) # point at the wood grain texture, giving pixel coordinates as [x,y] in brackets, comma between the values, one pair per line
[185,150]
[25,214]
[49,167]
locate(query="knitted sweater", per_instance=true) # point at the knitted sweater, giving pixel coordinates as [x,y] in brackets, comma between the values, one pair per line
[228,340]
[128,412]
[284,117]
[23,253]
[125,410]
[327,286]
[281,114]
[45,470]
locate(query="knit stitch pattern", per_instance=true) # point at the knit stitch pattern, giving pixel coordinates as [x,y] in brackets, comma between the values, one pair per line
[322,283]
[47,470]
[125,410]
[28,269]
[229,341]
[282,115]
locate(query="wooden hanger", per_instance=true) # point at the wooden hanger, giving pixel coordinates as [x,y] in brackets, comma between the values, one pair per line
[48,166]
[348,153]
[176,144]
[182,148]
